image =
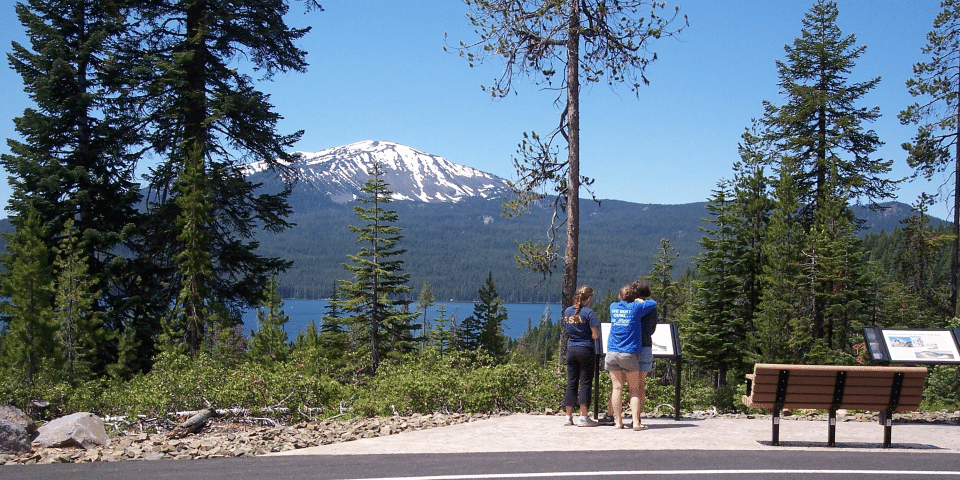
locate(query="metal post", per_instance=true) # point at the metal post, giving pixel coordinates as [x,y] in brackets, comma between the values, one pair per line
[676,398]
[776,426]
[596,387]
[832,429]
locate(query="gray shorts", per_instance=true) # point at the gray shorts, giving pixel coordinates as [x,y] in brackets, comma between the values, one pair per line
[646,359]
[621,362]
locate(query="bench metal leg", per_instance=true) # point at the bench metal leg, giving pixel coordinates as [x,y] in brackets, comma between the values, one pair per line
[887,420]
[776,426]
[832,429]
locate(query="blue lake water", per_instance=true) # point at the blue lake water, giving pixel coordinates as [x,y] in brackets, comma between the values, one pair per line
[519,315]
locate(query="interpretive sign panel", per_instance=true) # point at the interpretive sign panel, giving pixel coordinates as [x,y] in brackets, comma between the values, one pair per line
[666,341]
[919,346]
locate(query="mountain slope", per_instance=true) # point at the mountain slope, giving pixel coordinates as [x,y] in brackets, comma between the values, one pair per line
[338,174]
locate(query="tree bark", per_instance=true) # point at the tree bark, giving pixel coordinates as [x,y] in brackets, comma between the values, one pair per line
[572,248]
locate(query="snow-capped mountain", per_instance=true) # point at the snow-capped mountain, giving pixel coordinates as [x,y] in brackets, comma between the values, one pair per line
[410,174]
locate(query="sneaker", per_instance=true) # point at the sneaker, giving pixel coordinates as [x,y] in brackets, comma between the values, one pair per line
[587,422]
[606,420]
[569,421]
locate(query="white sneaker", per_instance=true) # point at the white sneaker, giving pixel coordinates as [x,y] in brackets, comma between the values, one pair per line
[569,421]
[587,422]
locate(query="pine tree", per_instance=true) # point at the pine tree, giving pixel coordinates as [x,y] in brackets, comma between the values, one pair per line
[268,343]
[833,263]
[716,335]
[916,261]
[79,329]
[484,329]
[372,301]
[661,281]
[442,335]
[783,323]
[424,301]
[205,119]
[29,346]
[79,149]
[751,206]
[936,147]
[820,126]
[821,134]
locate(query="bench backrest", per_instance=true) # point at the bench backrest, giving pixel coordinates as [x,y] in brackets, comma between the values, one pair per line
[836,386]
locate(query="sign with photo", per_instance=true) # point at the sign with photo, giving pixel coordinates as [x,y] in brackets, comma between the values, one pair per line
[919,346]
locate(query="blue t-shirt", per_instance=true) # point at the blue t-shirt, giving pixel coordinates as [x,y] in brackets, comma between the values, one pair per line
[579,334]
[626,325]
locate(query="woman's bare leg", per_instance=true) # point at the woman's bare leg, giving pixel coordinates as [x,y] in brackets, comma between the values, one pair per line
[633,382]
[616,397]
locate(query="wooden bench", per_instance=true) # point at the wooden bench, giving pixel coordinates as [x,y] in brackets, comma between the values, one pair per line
[831,387]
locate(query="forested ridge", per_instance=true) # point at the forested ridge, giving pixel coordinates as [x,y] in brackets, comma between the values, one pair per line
[452,246]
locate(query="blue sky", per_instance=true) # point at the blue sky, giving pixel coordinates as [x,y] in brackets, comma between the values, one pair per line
[378,71]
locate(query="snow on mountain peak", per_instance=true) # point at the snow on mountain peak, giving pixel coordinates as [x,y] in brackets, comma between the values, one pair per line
[411,174]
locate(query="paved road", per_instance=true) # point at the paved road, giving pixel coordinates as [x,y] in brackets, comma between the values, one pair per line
[671,464]
[531,446]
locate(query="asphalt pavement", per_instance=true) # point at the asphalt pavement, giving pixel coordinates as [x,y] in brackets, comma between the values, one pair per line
[542,433]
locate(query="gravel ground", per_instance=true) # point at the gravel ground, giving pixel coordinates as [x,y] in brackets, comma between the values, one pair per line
[226,437]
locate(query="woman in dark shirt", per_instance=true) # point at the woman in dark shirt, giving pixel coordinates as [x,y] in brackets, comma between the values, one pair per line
[582,327]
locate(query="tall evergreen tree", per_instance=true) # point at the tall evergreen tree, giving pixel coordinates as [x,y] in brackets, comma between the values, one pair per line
[588,41]
[936,147]
[751,207]
[822,134]
[716,335]
[28,342]
[206,120]
[373,302]
[833,262]
[819,125]
[783,322]
[79,148]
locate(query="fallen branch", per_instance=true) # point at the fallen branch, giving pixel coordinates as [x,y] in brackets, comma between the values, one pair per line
[193,423]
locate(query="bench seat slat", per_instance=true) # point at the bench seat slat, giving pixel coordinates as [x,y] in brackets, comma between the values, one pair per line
[852,379]
[869,407]
[858,388]
[805,398]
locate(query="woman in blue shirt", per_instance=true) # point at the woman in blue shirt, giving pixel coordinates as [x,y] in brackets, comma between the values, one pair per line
[582,327]
[627,359]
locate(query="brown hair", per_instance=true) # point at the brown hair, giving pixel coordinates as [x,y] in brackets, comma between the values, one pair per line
[642,288]
[628,293]
[581,298]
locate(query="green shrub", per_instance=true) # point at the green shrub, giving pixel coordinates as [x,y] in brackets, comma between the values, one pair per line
[428,382]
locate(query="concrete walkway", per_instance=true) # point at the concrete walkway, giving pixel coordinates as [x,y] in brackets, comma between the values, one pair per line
[536,433]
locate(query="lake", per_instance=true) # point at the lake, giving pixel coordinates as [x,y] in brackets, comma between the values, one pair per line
[519,315]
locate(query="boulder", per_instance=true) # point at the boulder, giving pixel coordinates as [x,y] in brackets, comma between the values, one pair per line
[16,416]
[78,430]
[14,439]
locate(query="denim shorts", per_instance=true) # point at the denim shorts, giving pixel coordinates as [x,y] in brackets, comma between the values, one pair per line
[621,362]
[646,359]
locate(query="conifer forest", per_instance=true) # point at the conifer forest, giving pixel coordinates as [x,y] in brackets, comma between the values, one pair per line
[124,296]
